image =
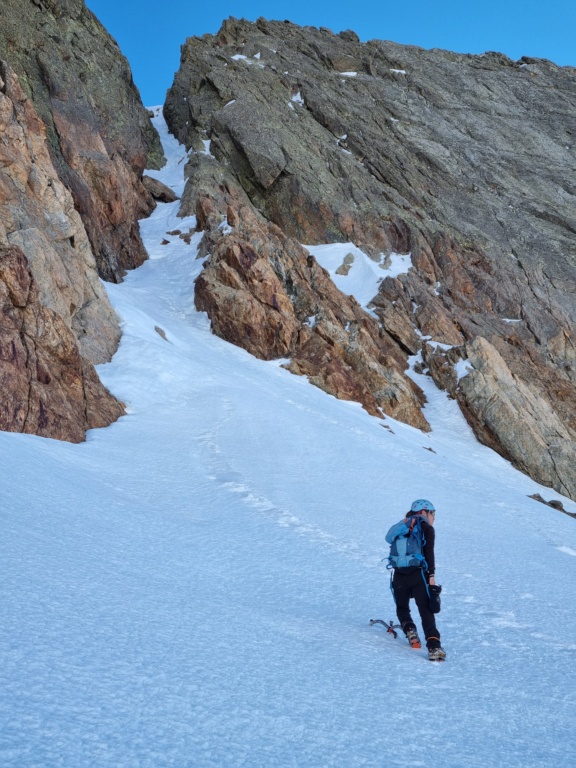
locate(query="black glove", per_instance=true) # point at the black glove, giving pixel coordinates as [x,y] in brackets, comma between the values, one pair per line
[434,591]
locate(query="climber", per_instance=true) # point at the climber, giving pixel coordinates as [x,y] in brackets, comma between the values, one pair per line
[412,560]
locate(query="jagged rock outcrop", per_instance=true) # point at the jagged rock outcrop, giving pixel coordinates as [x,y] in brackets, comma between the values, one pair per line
[99,135]
[37,214]
[158,190]
[467,162]
[48,388]
[501,401]
[74,140]
[56,320]
[496,401]
[265,293]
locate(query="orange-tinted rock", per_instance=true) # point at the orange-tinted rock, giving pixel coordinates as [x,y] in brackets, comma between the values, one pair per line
[265,293]
[100,137]
[48,389]
[37,214]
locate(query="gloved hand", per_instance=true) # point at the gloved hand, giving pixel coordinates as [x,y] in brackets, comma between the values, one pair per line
[434,590]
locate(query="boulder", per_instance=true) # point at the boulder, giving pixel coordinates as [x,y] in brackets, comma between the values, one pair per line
[158,190]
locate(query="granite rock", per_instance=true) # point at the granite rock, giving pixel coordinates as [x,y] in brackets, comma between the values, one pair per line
[99,135]
[466,162]
[48,388]
[57,321]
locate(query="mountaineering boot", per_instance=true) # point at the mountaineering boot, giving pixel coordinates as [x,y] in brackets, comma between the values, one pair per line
[413,639]
[436,654]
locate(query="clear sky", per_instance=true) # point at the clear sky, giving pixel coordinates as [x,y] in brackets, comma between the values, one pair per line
[150,32]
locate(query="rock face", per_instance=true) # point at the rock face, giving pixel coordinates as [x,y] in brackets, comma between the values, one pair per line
[37,214]
[464,161]
[55,319]
[99,135]
[502,401]
[265,293]
[48,388]
[74,140]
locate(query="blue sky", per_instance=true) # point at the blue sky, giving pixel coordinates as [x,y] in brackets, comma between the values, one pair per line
[150,32]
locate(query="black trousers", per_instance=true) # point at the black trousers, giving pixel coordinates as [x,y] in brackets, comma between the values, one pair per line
[411,584]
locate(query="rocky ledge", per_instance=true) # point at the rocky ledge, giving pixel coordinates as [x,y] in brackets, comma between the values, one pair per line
[466,162]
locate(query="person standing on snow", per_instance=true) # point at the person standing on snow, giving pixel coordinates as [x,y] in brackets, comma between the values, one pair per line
[415,580]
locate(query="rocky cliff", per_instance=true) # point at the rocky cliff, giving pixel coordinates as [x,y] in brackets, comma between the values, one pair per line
[74,140]
[99,134]
[466,162]
[38,216]
[55,318]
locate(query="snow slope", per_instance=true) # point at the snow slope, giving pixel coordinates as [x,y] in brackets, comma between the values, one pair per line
[192,586]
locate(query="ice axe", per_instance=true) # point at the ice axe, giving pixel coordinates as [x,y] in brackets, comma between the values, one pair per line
[391,628]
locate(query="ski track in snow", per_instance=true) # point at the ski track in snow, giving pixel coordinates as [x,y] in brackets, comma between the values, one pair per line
[192,586]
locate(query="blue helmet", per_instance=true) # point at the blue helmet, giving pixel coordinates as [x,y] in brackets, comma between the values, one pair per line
[422,505]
